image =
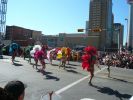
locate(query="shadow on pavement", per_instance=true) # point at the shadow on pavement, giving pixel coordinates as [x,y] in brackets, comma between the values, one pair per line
[122,80]
[70,67]
[119,79]
[55,65]
[72,64]
[16,64]
[109,91]
[46,73]
[47,76]
[51,77]
[72,71]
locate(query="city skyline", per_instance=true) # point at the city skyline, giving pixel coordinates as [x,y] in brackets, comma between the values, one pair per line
[53,17]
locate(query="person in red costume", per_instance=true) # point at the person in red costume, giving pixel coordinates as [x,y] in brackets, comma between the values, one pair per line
[88,60]
[40,55]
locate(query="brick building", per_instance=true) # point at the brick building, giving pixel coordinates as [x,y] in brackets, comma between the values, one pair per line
[21,35]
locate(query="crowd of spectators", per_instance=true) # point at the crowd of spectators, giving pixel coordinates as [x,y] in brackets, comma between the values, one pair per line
[121,59]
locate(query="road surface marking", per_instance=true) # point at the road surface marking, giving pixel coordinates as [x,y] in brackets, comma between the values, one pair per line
[131,98]
[87,99]
[76,82]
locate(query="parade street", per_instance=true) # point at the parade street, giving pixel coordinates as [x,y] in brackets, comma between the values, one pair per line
[70,83]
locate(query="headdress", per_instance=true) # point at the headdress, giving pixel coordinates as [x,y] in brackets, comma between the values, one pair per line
[91,50]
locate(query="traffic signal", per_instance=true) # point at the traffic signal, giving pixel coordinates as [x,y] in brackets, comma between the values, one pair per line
[80,30]
[97,30]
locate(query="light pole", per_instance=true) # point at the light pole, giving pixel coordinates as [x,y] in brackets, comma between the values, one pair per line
[118,31]
[127,32]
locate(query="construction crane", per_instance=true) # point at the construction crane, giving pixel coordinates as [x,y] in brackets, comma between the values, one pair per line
[3,10]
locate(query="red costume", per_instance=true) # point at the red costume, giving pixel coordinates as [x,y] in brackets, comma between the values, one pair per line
[89,58]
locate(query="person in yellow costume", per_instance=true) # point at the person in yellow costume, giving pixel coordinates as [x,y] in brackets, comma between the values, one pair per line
[59,55]
[64,57]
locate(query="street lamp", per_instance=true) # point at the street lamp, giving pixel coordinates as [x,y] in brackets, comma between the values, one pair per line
[127,33]
[118,33]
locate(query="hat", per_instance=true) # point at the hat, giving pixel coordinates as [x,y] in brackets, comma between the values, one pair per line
[16,88]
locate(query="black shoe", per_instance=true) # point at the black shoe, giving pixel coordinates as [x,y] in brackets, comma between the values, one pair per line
[90,83]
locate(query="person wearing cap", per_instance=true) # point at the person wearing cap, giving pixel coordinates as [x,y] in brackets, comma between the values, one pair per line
[16,89]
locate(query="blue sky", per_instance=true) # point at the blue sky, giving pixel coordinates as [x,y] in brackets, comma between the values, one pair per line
[57,16]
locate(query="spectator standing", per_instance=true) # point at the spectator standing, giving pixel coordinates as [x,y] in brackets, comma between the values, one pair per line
[4,95]
[16,89]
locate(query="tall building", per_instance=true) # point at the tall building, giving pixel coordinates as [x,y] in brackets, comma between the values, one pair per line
[100,17]
[87,27]
[117,36]
[130,32]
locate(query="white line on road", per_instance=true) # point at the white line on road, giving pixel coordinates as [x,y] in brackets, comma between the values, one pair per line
[76,82]
[87,99]
[131,98]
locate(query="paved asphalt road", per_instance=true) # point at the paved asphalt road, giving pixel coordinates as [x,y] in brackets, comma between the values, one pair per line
[69,84]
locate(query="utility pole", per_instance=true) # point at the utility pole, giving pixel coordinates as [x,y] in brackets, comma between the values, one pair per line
[130,32]
[127,33]
[3,10]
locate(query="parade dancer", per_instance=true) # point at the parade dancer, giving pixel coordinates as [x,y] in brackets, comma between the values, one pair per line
[14,47]
[26,53]
[34,55]
[68,54]
[64,57]
[44,49]
[59,55]
[88,61]
[50,55]
[40,55]
[108,63]
[97,62]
